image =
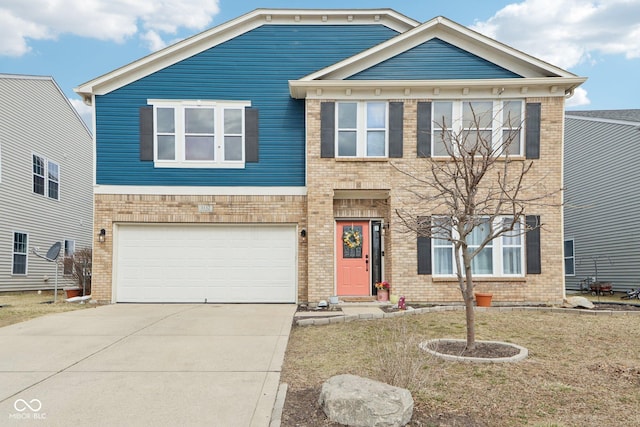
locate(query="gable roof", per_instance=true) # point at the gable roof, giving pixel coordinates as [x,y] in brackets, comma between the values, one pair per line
[234,28]
[27,89]
[534,72]
[632,116]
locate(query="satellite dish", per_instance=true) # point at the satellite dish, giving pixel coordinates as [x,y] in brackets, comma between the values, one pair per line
[51,256]
[53,251]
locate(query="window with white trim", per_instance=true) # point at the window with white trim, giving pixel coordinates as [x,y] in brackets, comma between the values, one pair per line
[19,252]
[69,250]
[46,177]
[497,123]
[502,257]
[362,129]
[569,258]
[199,134]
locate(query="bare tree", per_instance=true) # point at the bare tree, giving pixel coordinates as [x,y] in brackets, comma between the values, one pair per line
[476,195]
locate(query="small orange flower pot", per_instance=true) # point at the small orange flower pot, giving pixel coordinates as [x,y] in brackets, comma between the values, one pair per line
[483,299]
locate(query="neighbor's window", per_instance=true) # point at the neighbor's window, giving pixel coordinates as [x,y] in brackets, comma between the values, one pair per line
[46,177]
[362,129]
[199,134]
[69,250]
[493,125]
[569,258]
[20,248]
[503,256]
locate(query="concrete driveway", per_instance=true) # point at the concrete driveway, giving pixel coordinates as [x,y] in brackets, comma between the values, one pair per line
[139,365]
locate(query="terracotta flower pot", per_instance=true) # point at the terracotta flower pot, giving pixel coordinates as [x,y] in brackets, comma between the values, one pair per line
[483,299]
[73,292]
[383,295]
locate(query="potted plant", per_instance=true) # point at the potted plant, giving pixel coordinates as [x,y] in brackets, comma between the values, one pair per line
[383,291]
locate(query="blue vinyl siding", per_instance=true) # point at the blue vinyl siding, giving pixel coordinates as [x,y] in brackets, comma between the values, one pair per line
[435,60]
[255,66]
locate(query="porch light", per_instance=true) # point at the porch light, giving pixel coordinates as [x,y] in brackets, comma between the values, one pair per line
[101,235]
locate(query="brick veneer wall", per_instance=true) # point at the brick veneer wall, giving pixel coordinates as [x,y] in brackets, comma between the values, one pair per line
[111,209]
[325,176]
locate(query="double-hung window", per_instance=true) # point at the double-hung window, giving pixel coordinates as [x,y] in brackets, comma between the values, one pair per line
[69,250]
[199,133]
[569,258]
[20,248]
[46,177]
[501,257]
[362,129]
[480,125]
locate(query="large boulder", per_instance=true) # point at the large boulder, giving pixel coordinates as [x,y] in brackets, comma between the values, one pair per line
[356,401]
[573,302]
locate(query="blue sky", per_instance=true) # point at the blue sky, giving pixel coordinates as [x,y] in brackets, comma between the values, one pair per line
[75,41]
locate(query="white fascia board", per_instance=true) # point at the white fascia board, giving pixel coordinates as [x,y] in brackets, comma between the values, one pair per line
[451,32]
[200,191]
[434,89]
[234,28]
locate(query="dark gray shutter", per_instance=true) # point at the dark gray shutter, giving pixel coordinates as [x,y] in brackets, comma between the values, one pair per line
[396,113]
[424,129]
[533,245]
[327,129]
[532,133]
[424,249]
[146,133]
[251,148]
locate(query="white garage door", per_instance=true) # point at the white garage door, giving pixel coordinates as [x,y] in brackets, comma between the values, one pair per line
[212,263]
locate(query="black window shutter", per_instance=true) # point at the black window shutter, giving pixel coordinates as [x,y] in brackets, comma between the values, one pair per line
[146,133]
[396,112]
[251,148]
[533,245]
[327,130]
[424,255]
[424,249]
[532,136]
[424,129]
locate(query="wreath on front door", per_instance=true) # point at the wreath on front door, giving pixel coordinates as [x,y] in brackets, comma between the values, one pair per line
[352,238]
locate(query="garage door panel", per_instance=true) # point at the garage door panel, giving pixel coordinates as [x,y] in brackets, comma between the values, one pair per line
[253,263]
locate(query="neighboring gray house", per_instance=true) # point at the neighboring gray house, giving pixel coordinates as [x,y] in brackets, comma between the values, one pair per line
[46,176]
[602,212]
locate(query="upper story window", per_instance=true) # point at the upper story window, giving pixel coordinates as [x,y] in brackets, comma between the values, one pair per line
[199,133]
[494,125]
[362,129]
[46,177]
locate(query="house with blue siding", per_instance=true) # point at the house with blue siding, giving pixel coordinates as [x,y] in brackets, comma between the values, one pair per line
[254,162]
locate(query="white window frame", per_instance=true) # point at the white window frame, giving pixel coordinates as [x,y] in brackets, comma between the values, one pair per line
[572,257]
[497,125]
[69,248]
[14,253]
[47,179]
[498,246]
[219,134]
[362,129]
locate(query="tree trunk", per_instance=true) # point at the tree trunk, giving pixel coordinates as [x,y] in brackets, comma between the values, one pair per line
[468,305]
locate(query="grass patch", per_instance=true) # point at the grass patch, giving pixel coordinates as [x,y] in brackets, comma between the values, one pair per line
[20,306]
[581,370]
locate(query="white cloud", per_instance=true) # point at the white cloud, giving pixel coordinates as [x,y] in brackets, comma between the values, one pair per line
[568,32]
[115,20]
[578,99]
[153,40]
[85,112]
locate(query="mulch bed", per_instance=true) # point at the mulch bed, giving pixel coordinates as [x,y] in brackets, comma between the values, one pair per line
[483,349]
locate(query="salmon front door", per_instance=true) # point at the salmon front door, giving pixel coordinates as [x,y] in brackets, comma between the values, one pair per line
[352,258]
